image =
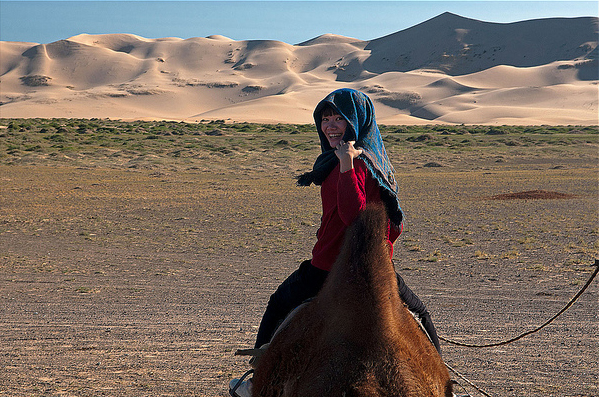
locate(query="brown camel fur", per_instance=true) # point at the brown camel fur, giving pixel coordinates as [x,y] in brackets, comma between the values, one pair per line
[356,338]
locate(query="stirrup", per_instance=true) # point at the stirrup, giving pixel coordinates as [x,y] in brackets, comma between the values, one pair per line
[232,391]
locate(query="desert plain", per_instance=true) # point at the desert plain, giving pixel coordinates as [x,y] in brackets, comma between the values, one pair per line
[135,258]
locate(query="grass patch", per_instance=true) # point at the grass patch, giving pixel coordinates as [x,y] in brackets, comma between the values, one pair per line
[178,141]
[482,255]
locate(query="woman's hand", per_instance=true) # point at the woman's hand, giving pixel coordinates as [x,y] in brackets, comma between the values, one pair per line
[346,153]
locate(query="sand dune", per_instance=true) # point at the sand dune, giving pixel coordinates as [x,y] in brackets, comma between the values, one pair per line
[448,69]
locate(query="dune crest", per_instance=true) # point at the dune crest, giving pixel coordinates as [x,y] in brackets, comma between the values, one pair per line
[449,69]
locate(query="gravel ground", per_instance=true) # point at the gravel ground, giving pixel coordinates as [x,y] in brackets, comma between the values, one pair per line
[143,282]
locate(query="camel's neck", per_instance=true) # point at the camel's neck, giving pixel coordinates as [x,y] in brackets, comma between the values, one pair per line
[366,278]
[362,285]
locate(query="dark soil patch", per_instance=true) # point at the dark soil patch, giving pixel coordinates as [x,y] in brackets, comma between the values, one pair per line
[532,195]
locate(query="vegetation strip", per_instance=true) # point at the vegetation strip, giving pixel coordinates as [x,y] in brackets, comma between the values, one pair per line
[169,139]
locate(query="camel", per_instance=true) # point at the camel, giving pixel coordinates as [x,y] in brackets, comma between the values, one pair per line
[356,337]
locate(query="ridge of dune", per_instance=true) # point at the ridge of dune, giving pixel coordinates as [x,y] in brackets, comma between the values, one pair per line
[219,37]
[449,69]
[107,40]
[329,38]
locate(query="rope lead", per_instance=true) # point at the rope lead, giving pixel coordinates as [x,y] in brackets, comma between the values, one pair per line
[590,280]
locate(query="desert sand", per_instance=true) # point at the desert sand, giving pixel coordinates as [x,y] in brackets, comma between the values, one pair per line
[448,69]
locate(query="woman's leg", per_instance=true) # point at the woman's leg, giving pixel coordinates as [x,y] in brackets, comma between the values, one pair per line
[302,284]
[415,305]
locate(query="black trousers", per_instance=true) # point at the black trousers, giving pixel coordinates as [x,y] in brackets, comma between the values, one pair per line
[305,282]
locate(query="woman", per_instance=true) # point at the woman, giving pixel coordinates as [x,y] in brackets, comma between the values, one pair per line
[352,170]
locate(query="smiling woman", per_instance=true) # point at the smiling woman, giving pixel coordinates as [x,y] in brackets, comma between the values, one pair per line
[351,178]
[333,125]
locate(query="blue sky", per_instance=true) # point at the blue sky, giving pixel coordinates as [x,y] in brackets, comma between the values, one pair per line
[288,21]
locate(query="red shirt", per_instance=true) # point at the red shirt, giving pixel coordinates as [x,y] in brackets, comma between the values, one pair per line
[343,196]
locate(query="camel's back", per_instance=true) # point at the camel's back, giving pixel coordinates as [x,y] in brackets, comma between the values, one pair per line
[397,360]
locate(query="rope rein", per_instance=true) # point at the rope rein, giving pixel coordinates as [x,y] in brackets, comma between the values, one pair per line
[481,391]
[570,303]
[546,323]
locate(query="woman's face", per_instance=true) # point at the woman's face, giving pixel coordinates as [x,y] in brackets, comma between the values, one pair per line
[333,127]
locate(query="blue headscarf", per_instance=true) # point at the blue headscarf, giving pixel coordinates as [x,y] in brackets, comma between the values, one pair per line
[358,111]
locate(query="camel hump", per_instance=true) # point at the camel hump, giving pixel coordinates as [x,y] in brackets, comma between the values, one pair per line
[374,216]
[368,230]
